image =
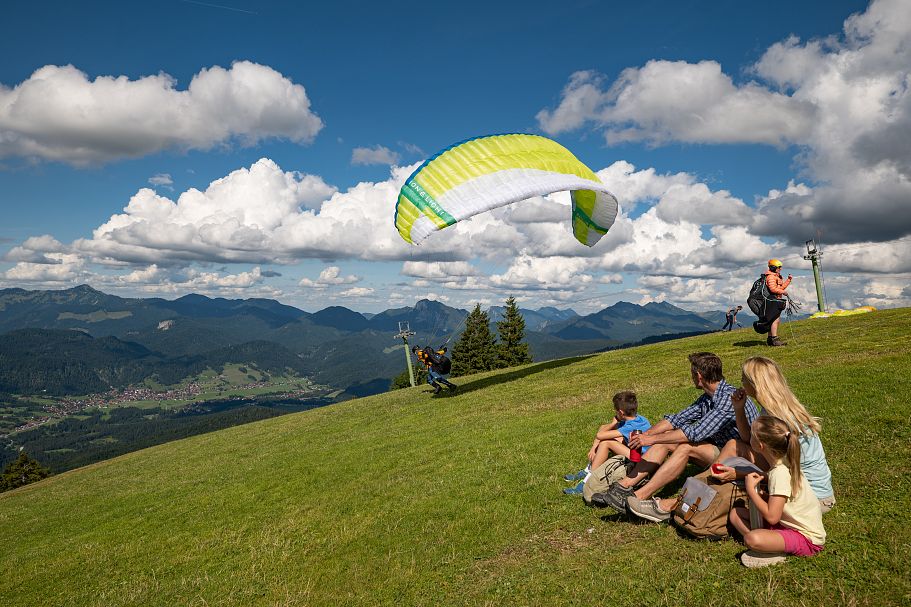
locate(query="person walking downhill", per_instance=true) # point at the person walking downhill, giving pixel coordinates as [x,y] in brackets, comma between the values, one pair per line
[774,306]
[730,318]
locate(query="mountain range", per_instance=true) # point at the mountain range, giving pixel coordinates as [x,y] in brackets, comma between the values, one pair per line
[335,346]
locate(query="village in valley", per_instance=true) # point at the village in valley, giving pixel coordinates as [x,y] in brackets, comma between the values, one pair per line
[234,383]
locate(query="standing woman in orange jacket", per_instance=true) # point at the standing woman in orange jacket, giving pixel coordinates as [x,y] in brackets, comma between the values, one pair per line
[778,288]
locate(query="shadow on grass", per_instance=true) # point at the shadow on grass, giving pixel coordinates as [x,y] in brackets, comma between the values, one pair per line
[750,343]
[480,384]
[686,536]
[613,516]
[672,489]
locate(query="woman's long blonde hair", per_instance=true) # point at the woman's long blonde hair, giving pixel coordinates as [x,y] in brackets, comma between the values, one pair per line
[763,377]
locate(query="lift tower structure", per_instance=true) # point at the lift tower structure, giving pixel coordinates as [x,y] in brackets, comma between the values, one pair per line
[813,255]
[404,333]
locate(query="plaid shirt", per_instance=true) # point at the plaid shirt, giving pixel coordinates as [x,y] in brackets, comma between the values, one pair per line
[711,419]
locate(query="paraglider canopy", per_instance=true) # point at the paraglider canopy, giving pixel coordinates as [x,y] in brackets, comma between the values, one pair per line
[484,173]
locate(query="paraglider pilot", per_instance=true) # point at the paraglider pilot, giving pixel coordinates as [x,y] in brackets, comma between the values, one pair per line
[778,288]
[438,366]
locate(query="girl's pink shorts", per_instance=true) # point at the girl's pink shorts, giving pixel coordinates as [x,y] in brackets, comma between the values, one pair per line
[795,542]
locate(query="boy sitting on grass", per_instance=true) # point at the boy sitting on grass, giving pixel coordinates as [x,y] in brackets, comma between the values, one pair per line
[612,438]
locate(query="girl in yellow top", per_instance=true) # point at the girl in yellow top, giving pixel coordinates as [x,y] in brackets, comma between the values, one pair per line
[792,515]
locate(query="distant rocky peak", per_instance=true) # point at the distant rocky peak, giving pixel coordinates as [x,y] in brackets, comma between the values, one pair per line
[428,304]
[84,290]
[664,307]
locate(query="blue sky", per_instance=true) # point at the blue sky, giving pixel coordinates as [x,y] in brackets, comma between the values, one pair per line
[710,120]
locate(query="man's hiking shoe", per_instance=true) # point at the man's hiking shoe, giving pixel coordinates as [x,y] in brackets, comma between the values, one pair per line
[647,509]
[598,500]
[577,490]
[576,476]
[755,560]
[774,341]
[616,495]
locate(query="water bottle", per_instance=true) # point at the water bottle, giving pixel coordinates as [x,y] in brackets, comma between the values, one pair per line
[635,455]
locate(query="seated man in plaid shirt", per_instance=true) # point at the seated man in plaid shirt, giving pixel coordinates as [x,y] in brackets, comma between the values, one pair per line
[697,433]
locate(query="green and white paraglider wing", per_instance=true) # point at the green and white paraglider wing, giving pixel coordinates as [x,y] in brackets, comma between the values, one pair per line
[484,173]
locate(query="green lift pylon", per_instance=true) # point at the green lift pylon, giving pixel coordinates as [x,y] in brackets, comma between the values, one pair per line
[813,255]
[405,332]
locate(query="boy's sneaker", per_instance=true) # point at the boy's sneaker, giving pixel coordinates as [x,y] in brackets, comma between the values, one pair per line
[754,559]
[437,388]
[616,496]
[647,509]
[774,341]
[577,490]
[576,476]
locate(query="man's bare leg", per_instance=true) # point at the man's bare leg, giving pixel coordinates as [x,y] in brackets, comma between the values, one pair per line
[651,461]
[703,454]
[730,449]
[667,504]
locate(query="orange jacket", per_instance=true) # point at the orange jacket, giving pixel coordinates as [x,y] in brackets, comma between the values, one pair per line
[776,284]
[424,356]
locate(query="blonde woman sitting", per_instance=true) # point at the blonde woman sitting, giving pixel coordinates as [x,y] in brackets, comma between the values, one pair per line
[764,383]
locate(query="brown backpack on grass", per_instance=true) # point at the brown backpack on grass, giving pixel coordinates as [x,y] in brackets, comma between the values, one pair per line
[703,507]
[615,468]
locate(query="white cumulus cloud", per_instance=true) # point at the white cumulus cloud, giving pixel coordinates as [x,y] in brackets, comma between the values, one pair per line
[329,277]
[376,155]
[357,292]
[438,270]
[678,101]
[525,272]
[845,100]
[161,179]
[59,113]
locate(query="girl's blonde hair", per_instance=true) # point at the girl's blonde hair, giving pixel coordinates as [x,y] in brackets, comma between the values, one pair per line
[781,442]
[775,396]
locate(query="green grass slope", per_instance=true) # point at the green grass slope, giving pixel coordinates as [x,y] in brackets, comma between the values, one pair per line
[410,500]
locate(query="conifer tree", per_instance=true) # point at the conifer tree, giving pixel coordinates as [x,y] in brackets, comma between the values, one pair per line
[475,350]
[22,471]
[512,350]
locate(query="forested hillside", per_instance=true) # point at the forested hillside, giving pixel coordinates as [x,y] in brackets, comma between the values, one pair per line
[59,362]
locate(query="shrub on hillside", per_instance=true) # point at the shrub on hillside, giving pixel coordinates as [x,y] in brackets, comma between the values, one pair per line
[23,471]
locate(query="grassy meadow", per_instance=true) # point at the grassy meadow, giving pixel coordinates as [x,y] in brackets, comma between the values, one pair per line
[408,499]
